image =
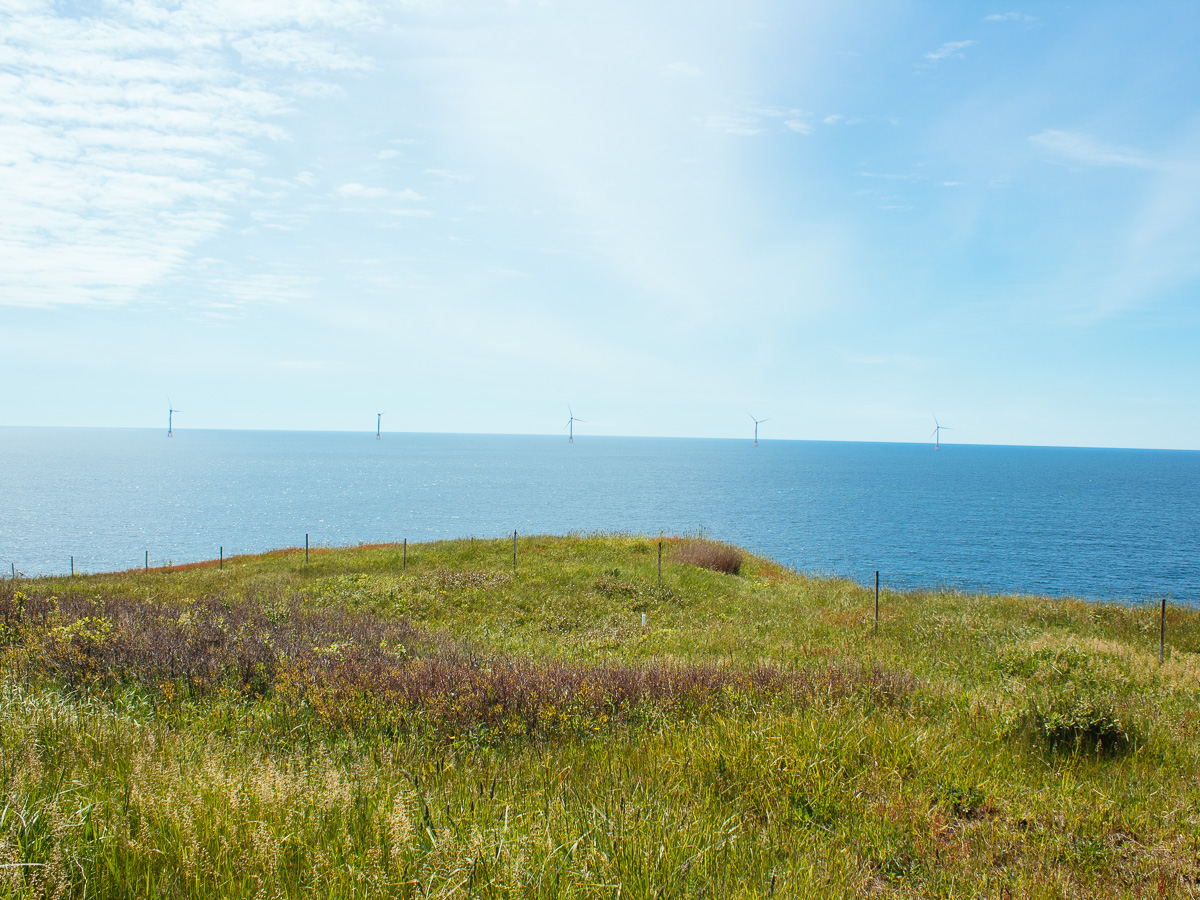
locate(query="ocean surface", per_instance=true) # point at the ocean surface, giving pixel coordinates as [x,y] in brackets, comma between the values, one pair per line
[1119,524]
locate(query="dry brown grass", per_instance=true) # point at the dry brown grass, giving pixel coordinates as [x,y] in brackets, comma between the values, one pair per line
[710,555]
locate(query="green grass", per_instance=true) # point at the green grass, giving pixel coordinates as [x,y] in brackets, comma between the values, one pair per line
[351,727]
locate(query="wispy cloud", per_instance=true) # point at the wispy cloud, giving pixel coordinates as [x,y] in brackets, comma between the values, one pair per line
[1152,250]
[949,50]
[446,174]
[1086,149]
[743,124]
[298,50]
[1009,17]
[126,137]
[681,70]
[754,120]
[896,359]
[891,176]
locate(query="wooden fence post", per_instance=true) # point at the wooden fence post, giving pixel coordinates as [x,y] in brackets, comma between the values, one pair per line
[1162,631]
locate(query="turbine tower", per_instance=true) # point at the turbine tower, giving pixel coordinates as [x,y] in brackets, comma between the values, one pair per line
[170,416]
[378,425]
[936,434]
[757,422]
[571,425]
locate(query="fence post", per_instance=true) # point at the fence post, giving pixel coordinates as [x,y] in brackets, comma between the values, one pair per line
[73,568]
[877,601]
[405,566]
[660,565]
[514,551]
[147,562]
[1162,630]
[221,564]
[306,548]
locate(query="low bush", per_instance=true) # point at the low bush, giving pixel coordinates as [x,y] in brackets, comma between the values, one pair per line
[1077,719]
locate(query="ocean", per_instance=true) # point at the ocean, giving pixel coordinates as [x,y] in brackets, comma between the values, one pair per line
[1091,523]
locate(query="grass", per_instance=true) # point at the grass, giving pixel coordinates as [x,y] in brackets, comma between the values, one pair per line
[711,555]
[359,727]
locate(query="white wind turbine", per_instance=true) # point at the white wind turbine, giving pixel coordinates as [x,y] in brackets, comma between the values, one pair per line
[936,434]
[571,424]
[757,422]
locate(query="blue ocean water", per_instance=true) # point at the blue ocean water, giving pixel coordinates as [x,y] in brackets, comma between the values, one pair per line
[1121,524]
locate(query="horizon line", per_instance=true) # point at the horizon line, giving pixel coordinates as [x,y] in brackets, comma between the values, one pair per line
[555,435]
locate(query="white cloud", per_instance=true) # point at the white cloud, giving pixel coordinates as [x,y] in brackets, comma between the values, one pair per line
[355,190]
[742,124]
[296,49]
[126,136]
[447,174]
[749,121]
[1153,249]
[949,50]
[1009,17]
[681,70]
[1085,149]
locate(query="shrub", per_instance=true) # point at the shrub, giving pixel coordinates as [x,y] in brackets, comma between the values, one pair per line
[1077,720]
[710,555]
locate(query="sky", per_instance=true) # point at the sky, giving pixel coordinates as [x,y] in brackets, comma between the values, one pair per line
[845,218]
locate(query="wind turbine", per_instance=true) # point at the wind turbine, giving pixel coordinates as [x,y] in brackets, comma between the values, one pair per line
[171,415]
[936,434]
[571,424]
[757,422]
[378,425]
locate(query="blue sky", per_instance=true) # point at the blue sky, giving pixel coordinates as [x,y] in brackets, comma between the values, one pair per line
[845,217]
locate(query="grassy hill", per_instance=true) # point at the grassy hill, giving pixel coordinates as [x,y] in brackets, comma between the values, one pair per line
[438,722]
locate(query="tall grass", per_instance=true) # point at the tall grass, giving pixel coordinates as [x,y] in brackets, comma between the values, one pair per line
[353,728]
[710,555]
